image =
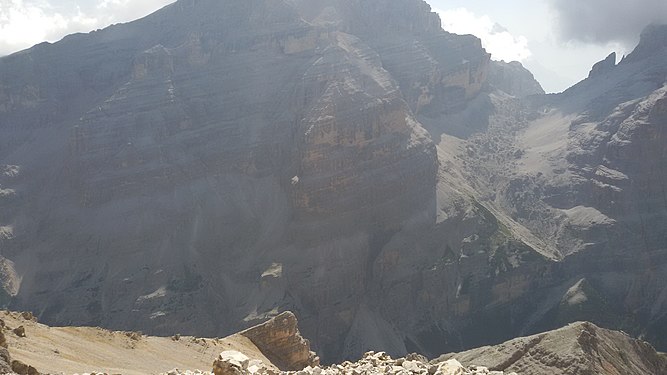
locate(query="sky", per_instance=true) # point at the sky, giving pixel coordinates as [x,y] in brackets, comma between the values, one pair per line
[558,40]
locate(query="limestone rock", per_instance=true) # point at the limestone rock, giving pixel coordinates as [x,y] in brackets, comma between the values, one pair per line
[280,340]
[5,361]
[3,338]
[21,368]
[450,367]
[27,315]
[231,363]
[514,79]
[578,349]
[19,331]
[653,38]
[370,363]
[603,66]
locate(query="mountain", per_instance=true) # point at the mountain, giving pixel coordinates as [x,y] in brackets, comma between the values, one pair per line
[219,162]
[188,155]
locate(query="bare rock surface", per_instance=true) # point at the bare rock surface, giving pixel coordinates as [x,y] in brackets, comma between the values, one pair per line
[230,363]
[79,350]
[577,349]
[280,340]
[580,348]
[514,79]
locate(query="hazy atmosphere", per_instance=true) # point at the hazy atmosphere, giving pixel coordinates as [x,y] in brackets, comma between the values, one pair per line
[333,187]
[558,40]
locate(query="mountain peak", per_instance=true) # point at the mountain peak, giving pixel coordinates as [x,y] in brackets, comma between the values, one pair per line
[603,66]
[653,40]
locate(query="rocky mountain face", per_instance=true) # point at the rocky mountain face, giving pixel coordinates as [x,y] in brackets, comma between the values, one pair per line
[514,79]
[348,160]
[250,155]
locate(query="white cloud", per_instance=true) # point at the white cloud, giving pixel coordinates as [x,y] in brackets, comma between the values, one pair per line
[497,40]
[24,23]
[104,4]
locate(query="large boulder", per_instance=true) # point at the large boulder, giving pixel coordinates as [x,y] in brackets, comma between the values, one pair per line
[281,342]
[231,362]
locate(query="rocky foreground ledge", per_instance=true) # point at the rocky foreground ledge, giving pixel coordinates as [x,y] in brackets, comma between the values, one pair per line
[289,353]
[577,349]
[276,347]
[235,363]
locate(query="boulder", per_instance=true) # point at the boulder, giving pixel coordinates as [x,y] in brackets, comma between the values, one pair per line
[281,342]
[231,362]
[451,367]
[19,331]
[23,369]
[5,361]
[3,339]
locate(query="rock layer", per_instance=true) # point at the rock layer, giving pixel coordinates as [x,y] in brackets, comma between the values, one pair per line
[280,340]
[514,79]
[200,145]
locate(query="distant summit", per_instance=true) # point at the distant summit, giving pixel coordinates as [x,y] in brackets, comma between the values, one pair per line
[653,40]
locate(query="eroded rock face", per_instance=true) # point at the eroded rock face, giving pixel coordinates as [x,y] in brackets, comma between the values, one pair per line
[5,360]
[514,79]
[280,340]
[604,66]
[200,145]
[569,177]
[578,349]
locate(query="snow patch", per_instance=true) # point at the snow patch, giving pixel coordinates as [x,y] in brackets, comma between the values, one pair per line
[581,216]
[161,292]
[576,295]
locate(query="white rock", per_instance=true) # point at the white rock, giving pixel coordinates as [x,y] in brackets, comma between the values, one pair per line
[451,367]
[235,358]
[411,366]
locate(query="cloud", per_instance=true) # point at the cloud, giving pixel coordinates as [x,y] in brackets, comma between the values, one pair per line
[605,21]
[496,39]
[24,23]
[128,10]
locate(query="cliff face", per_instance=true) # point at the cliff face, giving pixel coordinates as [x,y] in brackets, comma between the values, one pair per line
[186,155]
[586,176]
[514,79]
